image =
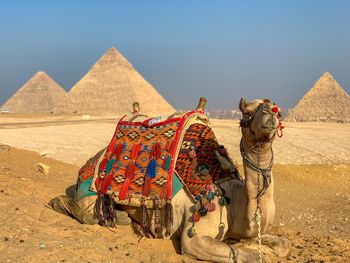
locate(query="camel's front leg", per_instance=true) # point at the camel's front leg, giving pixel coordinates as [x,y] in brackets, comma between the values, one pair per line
[81,210]
[209,249]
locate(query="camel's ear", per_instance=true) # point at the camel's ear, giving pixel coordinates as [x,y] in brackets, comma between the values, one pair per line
[242,104]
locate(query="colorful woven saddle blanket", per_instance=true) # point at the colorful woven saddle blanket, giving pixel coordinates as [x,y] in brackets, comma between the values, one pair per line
[144,160]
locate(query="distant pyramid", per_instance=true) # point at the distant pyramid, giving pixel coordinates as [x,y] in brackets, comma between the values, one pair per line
[39,95]
[325,101]
[110,87]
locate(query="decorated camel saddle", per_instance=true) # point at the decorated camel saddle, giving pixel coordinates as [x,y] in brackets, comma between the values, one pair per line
[149,159]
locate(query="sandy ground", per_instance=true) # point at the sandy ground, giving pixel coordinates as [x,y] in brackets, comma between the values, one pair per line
[312,186]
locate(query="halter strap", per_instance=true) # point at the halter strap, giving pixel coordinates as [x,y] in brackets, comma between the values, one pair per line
[265,172]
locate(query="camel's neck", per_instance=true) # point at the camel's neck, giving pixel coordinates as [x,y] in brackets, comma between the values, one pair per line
[245,201]
[259,154]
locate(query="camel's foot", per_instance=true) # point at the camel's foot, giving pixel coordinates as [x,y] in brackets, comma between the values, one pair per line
[209,249]
[280,245]
[122,218]
[247,255]
[270,244]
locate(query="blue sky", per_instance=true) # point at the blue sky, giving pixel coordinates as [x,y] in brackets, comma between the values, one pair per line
[218,49]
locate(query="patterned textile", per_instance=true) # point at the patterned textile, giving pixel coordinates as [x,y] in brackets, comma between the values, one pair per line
[197,163]
[114,168]
[141,156]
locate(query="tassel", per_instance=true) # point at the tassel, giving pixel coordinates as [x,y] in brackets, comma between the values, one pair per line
[135,150]
[167,145]
[144,218]
[129,176]
[118,151]
[168,217]
[150,174]
[109,165]
[130,170]
[146,186]
[151,169]
[166,163]
[164,191]
[109,176]
[125,188]
[103,164]
[157,226]
[156,151]
[170,145]
[104,211]
[106,182]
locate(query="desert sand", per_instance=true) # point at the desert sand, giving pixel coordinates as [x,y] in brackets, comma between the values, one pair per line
[312,169]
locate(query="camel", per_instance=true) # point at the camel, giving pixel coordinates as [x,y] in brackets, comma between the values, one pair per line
[247,217]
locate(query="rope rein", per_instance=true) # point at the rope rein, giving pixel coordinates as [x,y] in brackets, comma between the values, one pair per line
[258,208]
[257,215]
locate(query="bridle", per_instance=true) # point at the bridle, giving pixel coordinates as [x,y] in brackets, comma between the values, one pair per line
[246,122]
[264,172]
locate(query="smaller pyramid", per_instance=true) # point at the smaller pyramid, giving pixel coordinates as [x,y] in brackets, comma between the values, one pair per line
[39,95]
[326,101]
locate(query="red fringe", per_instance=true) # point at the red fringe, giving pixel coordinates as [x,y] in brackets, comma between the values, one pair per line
[130,170]
[170,145]
[146,186]
[156,151]
[103,164]
[125,188]
[118,150]
[135,150]
[106,182]
[167,144]
[129,176]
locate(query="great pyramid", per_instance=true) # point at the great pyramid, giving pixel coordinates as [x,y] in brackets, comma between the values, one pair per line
[110,87]
[39,95]
[326,101]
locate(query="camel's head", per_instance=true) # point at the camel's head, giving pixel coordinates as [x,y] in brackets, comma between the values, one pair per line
[260,120]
